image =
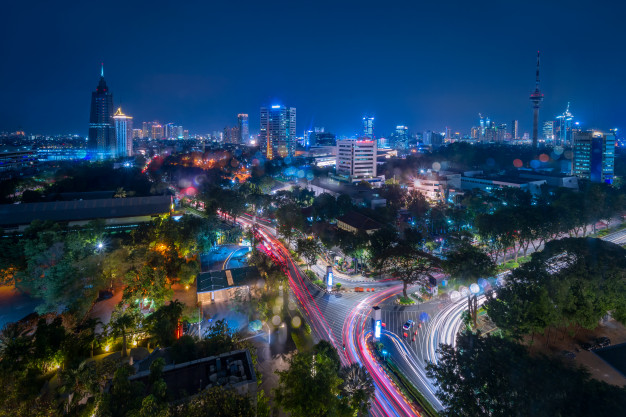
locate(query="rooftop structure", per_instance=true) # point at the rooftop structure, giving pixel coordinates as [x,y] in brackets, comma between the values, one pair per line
[222,285]
[79,212]
[231,370]
[354,222]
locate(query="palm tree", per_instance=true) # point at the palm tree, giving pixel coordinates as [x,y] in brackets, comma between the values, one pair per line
[78,383]
[120,325]
[358,387]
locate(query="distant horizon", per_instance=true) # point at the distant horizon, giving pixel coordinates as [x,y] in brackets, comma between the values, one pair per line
[426,66]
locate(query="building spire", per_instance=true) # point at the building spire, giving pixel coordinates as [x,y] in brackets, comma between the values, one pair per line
[102,70]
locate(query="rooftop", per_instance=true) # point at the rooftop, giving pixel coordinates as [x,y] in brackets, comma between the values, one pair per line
[230,278]
[77,210]
[228,369]
[359,221]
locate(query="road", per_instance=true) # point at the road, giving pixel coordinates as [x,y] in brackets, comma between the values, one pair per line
[344,319]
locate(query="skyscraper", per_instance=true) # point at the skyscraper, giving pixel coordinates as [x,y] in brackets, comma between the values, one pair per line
[368,127]
[548,130]
[278,131]
[536,98]
[123,134]
[594,156]
[244,130]
[401,138]
[565,127]
[101,142]
[157,131]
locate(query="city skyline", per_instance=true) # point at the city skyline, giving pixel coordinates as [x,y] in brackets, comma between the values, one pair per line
[442,80]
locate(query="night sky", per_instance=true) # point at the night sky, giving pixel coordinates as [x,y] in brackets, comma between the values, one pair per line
[424,64]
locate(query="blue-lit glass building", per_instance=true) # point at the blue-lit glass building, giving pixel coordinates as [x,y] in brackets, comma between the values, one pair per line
[101,143]
[278,131]
[594,156]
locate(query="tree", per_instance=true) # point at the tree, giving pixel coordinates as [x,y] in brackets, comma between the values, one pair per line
[521,385]
[289,217]
[310,387]
[162,324]
[572,282]
[124,395]
[77,384]
[308,249]
[358,387]
[147,285]
[121,323]
[217,402]
[468,262]
[410,265]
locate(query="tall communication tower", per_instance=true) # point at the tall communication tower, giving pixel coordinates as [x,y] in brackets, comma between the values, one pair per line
[536,98]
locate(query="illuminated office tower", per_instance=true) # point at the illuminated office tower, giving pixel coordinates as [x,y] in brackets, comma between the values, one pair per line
[401,137]
[278,131]
[548,130]
[157,131]
[565,120]
[368,127]
[244,130]
[594,156]
[356,159]
[101,141]
[123,134]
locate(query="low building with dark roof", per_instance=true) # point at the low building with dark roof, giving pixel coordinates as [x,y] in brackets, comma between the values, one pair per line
[114,211]
[354,222]
[231,370]
[223,285]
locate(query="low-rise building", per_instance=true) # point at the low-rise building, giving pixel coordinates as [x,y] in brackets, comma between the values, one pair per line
[232,370]
[490,184]
[354,222]
[224,285]
[114,211]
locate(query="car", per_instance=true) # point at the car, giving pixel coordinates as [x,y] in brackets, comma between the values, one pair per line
[408,325]
[603,341]
[104,295]
[588,346]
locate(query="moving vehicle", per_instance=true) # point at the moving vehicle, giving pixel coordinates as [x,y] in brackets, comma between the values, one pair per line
[408,325]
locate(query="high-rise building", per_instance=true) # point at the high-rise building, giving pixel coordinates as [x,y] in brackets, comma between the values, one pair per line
[101,142]
[368,127]
[185,134]
[356,159]
[145,130]
[123,133]
[138,134]
[548,130]
[244,130]
[401,138]
[594,156]
[514,129]
[564,127]
[278,131]
[232,135]
[157,131]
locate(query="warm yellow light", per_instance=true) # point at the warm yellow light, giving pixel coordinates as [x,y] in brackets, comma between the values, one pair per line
[107,348]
